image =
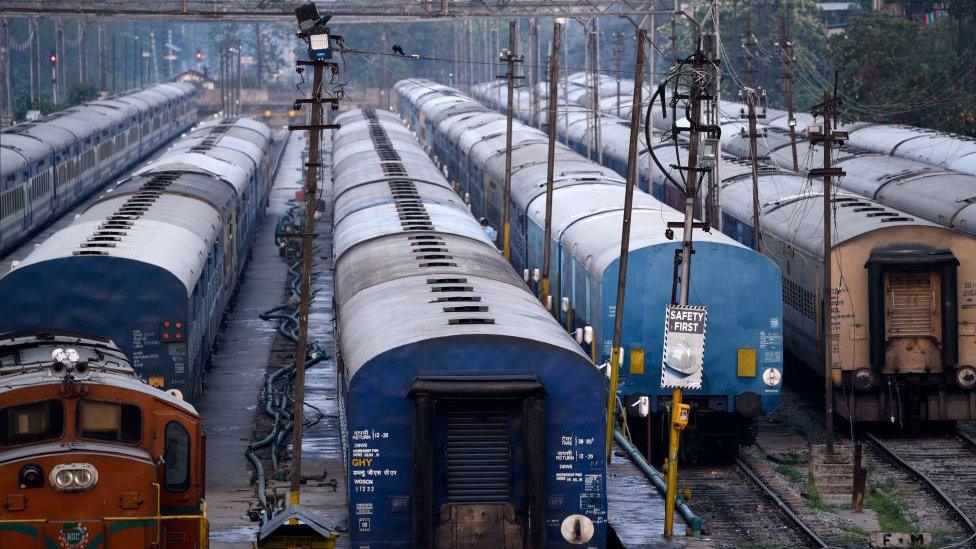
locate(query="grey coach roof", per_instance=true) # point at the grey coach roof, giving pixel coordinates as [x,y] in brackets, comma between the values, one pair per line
[387,271]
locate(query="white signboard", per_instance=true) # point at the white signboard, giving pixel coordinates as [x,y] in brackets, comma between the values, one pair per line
[684,347]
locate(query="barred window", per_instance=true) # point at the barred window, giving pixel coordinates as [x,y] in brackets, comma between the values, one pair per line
[799,299]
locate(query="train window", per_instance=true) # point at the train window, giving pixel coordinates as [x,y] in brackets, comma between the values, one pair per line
[33,422]
[176,454]
[109,421]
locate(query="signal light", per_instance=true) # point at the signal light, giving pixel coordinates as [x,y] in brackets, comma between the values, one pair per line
[53,57]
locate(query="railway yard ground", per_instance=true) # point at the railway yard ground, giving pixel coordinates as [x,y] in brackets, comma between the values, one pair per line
[738,510]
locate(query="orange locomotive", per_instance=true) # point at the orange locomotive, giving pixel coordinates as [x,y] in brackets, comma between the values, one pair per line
[92,457]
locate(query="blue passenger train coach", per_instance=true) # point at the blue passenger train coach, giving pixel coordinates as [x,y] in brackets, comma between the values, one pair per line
[473,417]
[50,164]
[153,262]
[741,288]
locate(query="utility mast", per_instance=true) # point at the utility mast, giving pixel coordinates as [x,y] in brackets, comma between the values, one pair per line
[752,98]
[692,93]
[618,44]
[827,136]
[595,94]
[788,57]
[550,159]
[534,73]
[615,358]
[748,51]
[712,43]
[511,58]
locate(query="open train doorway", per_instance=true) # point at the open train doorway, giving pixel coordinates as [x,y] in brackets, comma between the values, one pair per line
[479,464]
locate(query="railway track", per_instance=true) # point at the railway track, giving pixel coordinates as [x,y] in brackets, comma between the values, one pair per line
[738,508]
[945,464]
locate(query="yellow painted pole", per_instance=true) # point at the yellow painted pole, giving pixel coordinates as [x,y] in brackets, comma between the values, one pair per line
[671,473]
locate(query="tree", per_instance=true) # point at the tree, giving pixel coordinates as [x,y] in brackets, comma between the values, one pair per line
[896,69]
[806,32]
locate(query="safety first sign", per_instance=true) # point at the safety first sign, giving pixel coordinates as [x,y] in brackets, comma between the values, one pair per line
[684,347]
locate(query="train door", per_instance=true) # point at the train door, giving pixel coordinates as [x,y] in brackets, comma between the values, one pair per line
[912,309]
[477,470]
[479,463]
[912,321]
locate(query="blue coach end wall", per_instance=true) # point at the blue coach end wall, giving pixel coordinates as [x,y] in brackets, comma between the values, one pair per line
[123,300]
[380,416]
[720,278]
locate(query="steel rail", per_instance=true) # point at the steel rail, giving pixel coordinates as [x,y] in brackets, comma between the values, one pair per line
[924,478]
[781,504]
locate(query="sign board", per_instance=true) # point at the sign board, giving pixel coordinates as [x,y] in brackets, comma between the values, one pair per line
[884,539]
[684,347]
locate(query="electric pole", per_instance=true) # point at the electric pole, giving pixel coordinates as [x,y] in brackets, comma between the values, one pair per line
[674,32]
[597,134]
[748,51]
[752,98]
[82,31]
[56,75]
[534,74]
[787,55]
[713,200]
[314,129]
[703,154]
[510,57]
[618,316]
[827,136]
[550,160]
[618,44]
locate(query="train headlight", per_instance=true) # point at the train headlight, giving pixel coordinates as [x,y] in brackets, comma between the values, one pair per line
[82,477]
[64,480]
[966,377]
[772,377]
[74,477]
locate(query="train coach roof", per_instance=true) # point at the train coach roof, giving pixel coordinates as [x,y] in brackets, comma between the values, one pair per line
[356,170]
[379,193]
[37,138]
[367,224]
[930,146]
[174,234]
[429,272]
[373,321]
[792,209]
[229,165]
[11,162]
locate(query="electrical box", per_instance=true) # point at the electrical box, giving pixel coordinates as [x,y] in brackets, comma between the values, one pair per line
[680,416]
